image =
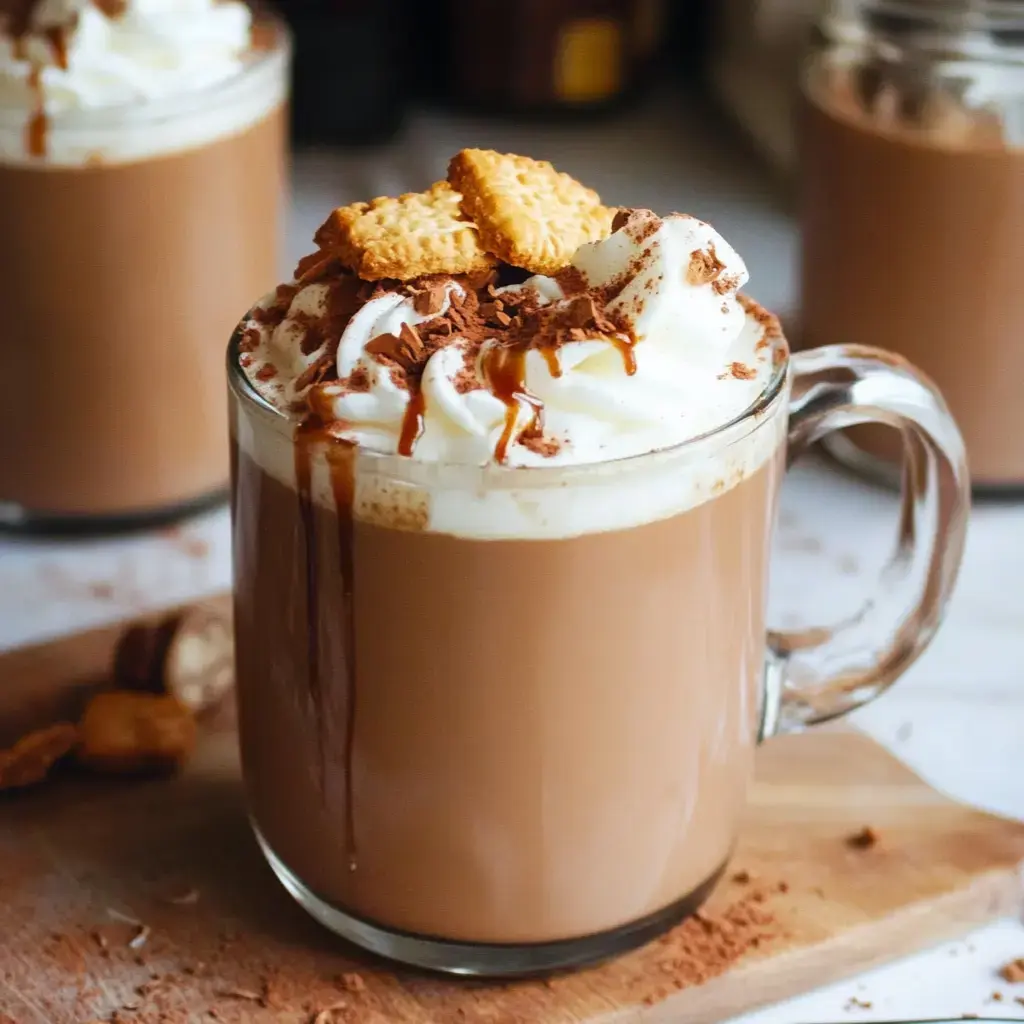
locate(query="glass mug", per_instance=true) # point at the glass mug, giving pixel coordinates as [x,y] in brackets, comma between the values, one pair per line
[483,754]
[911,147]
[110,296]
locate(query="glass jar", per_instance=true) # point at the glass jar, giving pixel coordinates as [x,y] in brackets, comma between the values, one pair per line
[912,140]
[129,236]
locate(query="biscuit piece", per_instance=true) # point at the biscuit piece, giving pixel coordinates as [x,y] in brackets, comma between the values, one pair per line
[416,234]
[124,732]
[30,759]
[528,214]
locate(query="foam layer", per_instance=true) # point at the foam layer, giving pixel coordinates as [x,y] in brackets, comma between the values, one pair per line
[165,75]
[494,502]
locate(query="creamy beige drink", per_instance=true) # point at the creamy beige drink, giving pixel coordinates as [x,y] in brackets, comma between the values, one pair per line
[913,222]
[141,177]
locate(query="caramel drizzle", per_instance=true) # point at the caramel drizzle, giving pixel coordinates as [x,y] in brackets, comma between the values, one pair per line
[412,422]
[504,371]
[627,349]
[37,129]
[20,27]
[550,354]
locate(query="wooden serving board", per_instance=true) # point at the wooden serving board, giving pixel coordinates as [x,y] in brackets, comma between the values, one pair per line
[148,901]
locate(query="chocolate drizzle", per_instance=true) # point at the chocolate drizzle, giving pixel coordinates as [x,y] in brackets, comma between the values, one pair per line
[310,437]
[58,39]
[16,21]
[341,461]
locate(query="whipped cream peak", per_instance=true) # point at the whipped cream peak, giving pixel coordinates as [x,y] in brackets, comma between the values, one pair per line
[683,279]
[64,55]
[640,343]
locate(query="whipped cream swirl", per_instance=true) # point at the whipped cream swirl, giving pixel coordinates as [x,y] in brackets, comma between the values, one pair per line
[686,357]
[91,54]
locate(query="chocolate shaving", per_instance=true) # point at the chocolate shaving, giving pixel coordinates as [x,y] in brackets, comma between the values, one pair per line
[385,347]
[621,219]
[430,301]
[583,311]
[317,372]
[316,266]
[413,350]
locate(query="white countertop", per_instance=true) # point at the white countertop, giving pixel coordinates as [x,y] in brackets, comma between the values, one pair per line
[958,716]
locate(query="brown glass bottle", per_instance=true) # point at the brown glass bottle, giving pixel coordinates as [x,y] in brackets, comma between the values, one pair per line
[552,57]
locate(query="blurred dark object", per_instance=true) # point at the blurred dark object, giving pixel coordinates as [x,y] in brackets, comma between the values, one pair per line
[351,78]
[754,55]
[688,38]
[552,57]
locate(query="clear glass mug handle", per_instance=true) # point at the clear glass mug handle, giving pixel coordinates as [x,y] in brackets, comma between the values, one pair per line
[814,675]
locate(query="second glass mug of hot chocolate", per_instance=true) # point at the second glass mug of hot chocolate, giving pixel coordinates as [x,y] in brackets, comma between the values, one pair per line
[130,236]
[499,720]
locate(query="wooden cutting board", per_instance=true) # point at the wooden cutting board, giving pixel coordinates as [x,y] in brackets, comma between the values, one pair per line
[149,902]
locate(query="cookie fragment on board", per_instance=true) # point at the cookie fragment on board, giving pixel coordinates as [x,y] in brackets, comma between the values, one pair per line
[128,733]
[528,214]
[413,235]
[30,759]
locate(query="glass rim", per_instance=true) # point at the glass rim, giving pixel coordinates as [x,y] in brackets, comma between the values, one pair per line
[166,106]
[980,15]
[243,388]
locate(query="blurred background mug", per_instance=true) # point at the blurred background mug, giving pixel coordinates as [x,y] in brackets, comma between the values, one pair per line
[130,238]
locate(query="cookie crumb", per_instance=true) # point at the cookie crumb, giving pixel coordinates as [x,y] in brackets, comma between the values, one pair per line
[864,839]
[1013,972]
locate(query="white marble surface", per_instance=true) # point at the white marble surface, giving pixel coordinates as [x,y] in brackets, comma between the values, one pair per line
[957,717]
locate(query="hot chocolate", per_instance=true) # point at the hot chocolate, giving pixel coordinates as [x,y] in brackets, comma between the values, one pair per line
[465,728]
[913,219]
[140,179]
[505,470]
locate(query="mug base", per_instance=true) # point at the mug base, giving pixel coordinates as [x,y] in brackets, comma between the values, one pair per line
[16,519]
[838,447]
[485,960]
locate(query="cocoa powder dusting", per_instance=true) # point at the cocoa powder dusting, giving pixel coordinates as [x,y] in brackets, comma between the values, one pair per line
[246,977]
[704,266]
[544,446]
[707,945]
[768,322]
